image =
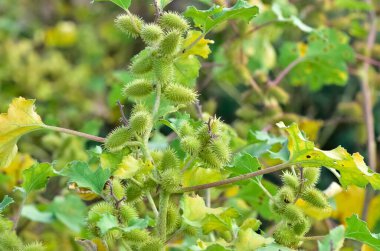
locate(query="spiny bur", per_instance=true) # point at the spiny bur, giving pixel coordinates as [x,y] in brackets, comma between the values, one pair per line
[291,180]
[210,159]
[154,244]
[186,129]
[140,122]
[138,88]
[142,64]
[286,236]
[151,34]
[292,213]
[180,94]
[169,160]
[9,241]
[170,44]
[191,145]
[99,209]
[137,236]
[163,69]
[118,139]
[129,24]
[171,180]
[301,227]
[315,197]
[173,218]
[5,224]
[171,20]
[118,189]
[221,149]
[285,195]
[311,176]
[133,193]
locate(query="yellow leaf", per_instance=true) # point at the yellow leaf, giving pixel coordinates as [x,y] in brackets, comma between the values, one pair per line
[200,48]
[128,167]
[198,176]
[310,127]
[64,34]
[367,248]
[16,167]
[20,119]
[314,212]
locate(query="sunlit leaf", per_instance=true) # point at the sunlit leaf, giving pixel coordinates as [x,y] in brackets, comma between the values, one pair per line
[250,240]
[106,223]
[80,173]
[186,70]
[199,47]
[20,119]
[333,241]
[208,19]
[124,4]
[352,168]
[314,212]
[128,167]
[358,230]
[36,176]
[244,163]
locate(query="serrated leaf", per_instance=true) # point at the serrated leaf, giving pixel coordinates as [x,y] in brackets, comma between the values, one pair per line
[208,19]
[186,70]
[106,223]
[137,224]
[80,173]
[324,59]
[5,202]
[352,168]
[245,163]
[36,176]
[69,210]
[124,4]
[20,119]
[333,241]
[200,48]
[358,230]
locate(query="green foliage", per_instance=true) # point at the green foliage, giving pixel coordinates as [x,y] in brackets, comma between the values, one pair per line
[37,176]
[358,230]
[333,241]
[5,202]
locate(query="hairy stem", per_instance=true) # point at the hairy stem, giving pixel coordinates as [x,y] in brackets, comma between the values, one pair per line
[162,216]
[235,179]
[76,133]
[152,204]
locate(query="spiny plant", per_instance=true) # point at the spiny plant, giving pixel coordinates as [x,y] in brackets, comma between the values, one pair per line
[144,191]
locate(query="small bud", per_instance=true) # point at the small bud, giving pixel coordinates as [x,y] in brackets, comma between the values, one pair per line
[311,176]
[170,180]
[171,20]
[170,44]
[98,210]
[36,246]
[180,94]
[290,180]
[140,122]
[142,63]
[151,34]
[191,145]
[138,88]
[315,197]
[118,139]
[292,213]
[129,24]
[169,160]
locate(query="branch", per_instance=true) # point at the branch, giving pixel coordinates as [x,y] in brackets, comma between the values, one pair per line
[285,72]
[76,133]
[157,8]
[367,60]
[235,179]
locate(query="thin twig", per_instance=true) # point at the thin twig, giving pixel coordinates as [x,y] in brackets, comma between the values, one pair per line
[157,8]
[285,72]
[152,204]
[313,238]
[260,26]
[76,133]
[117,201]
[368,60]
[124,119]
[235,179]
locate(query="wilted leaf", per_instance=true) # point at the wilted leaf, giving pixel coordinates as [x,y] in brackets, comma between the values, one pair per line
[208,19]
[37,176]
[352,168]
[200,48]
[358,230]
[333,241]
[80,173]
[20,119]
[5,202]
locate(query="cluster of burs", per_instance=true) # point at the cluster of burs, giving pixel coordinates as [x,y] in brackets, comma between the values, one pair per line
[294,223]
[10,241]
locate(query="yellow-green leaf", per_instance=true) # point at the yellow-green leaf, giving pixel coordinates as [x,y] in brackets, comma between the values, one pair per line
[352,168]
[20,119]
[199,45]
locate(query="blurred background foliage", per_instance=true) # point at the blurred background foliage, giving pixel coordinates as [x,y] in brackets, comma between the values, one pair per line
[69,56]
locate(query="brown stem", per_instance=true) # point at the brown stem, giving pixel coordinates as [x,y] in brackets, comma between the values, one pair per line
[367,60]
[285,72]
[235,179]
[76,133]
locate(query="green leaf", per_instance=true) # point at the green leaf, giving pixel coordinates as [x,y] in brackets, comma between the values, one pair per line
[281,12]
[136,224]
[163,3]
[5,202]
[352,168]
[80,173]
[208,19]
[186,70]
[353,5]
[124,4]
[333,241]
[107,222]
[358,230]
[69,210]
[324,59]
[37,176]
[250,240]
[31,212]
[217,247]
[244,163]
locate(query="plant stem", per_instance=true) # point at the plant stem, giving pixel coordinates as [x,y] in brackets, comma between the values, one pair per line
[18,214]
[367,60]
[194,42]
[265,190]
[313,238]
[285,72]
[162,216]
[152,204]
[235,179]
[76,133]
